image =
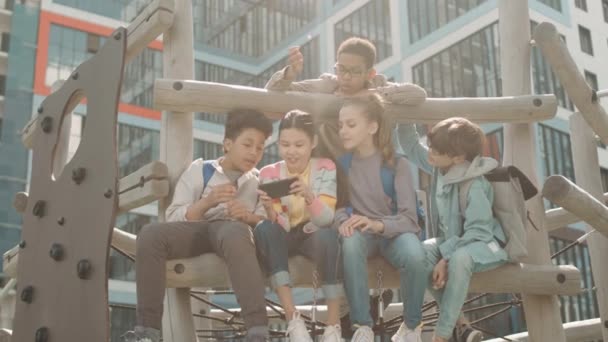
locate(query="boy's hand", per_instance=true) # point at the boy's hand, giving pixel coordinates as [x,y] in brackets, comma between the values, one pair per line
[298,188]
[236,209]
[296,63]
[220,194]
[440,274]
[265,199]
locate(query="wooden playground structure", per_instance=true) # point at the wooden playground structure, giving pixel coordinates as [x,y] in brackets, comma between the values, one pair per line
[68,216]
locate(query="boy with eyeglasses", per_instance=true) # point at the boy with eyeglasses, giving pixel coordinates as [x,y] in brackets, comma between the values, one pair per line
[355,75]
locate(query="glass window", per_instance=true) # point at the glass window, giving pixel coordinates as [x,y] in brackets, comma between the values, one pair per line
[121,267]
[555,4]
[471,68]
[584,305]
[250,28]
[68,48]
[591,79]
[124,10]
[604,174]
[2,85]
[5,38]
[582,4]
[137,147]
[122,319]
[467,68]
[206,150]
[372,21]
[556,153]
[215,73]
[585,38]
[427,16]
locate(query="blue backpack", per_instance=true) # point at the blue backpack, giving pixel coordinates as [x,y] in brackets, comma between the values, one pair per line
[208,171]
[388,185]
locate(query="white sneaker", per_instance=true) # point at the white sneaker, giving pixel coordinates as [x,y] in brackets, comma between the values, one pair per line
[363,334]
[405,334]
[332,333]
[296,329]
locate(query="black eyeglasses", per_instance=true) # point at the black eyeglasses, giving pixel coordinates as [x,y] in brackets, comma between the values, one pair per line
[343,70]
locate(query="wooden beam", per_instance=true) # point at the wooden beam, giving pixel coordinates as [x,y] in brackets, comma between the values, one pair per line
[559,217]
[561,191]
[587,330]
[146,185]
[542,312]
[198,96]
[155,19]
[210,271]
[587,172]
[556,53]
[176,138]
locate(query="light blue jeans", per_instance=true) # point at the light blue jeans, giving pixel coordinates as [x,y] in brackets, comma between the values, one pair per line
[460,269]
[405,253]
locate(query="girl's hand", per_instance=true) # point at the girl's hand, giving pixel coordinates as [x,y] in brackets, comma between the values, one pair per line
[361,223]
[298,188]
[440,274]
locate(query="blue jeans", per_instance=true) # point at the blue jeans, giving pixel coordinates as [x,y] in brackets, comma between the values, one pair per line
[405,253]
[274,245]
[460,269]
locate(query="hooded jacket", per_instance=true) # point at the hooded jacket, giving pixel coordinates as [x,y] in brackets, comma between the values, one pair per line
[446,217]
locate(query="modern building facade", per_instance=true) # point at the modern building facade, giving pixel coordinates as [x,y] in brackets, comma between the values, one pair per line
[450,47]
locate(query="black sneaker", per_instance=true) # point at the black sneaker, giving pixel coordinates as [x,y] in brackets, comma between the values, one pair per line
[466,333]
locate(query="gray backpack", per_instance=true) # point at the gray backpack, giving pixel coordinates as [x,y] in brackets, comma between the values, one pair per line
[511,191]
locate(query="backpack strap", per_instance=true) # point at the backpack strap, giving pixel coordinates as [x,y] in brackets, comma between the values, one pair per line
[463,193]
[208,171]
[345,161]
[387,175]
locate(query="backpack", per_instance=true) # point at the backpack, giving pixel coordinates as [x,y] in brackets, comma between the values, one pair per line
[511,191]
[387,175]
[208,171]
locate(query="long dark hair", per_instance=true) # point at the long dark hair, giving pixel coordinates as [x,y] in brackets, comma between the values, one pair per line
[299,120]
[304,121]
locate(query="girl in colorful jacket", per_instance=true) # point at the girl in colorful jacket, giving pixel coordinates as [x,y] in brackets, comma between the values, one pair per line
[299,223]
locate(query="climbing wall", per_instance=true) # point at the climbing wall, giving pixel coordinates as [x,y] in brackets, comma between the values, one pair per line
[63,261]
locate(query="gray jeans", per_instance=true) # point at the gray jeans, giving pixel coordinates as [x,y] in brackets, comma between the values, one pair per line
[232,241]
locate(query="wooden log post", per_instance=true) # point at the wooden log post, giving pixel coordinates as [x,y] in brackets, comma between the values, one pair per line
[587,173]
[561,191]
[542,311]
[559,217]
[176,152]
[198,96]
[586,99]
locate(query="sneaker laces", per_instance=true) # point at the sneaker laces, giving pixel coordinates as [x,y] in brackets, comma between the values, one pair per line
[332,333]
[363,334]
[296,329]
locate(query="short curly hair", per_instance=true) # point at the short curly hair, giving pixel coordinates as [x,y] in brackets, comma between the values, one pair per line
[457,137]
[241,118]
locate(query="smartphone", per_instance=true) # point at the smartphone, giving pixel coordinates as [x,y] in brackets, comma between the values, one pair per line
[278,188]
